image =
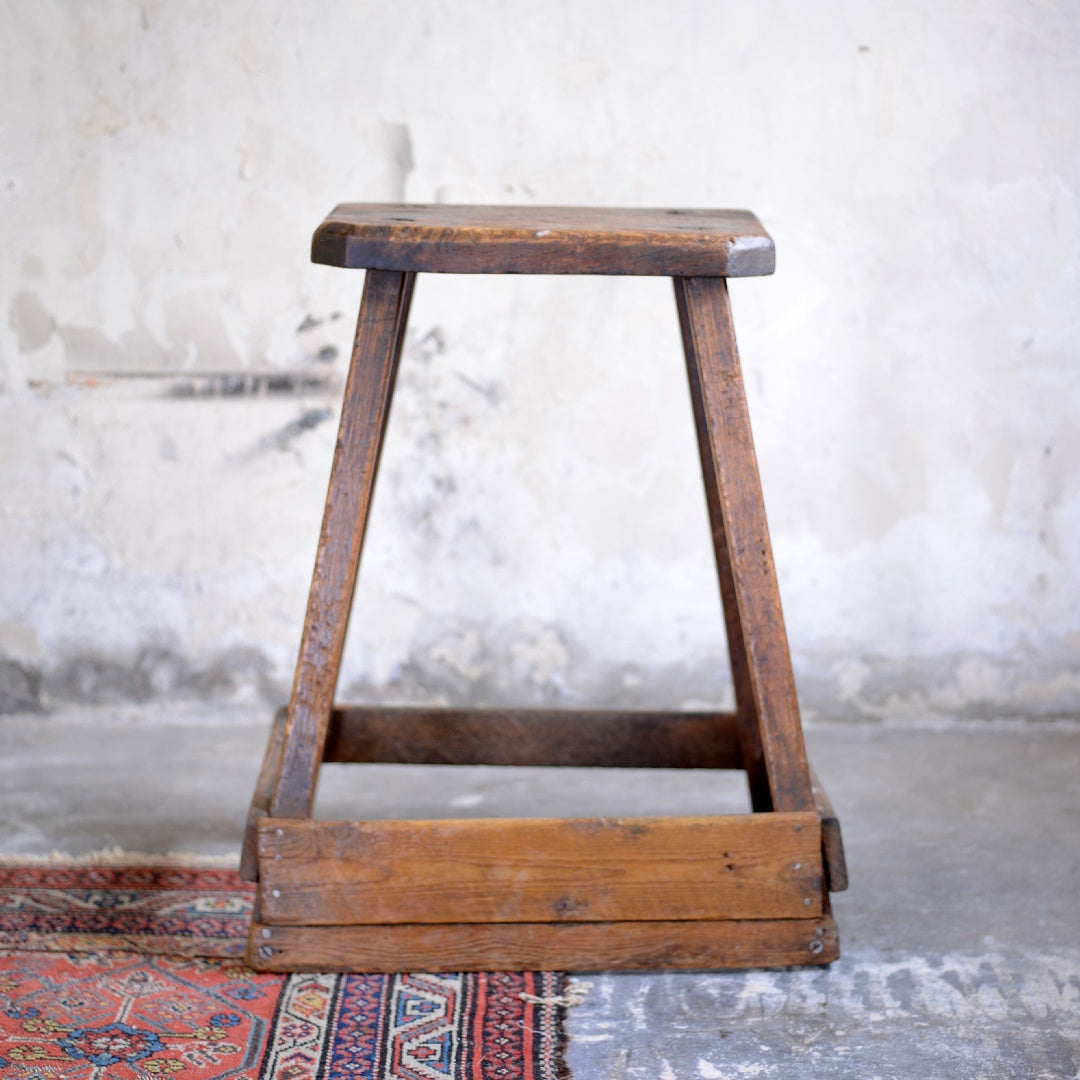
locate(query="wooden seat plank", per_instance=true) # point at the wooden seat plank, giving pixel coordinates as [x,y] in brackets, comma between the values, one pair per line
[544,240]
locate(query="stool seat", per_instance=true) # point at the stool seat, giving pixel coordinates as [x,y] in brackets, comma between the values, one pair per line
[544,240]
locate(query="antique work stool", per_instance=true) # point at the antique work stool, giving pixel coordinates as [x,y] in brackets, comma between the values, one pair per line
[581,894]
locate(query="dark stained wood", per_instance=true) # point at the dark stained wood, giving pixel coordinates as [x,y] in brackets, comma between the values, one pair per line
[713,361]
[610,946]
[423,736]
[380,330]
[832,842]
[753,760]
[532,870]
[260,801]
[544,240]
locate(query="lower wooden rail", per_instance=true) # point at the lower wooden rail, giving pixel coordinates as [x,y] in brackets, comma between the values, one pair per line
[704,944]
[618,739]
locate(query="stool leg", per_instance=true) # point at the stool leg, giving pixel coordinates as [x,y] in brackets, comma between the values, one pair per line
[774,754]
[753,761]
[380,330]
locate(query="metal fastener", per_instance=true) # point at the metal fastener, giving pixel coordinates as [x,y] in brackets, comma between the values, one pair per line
[266,931]
[807,901]
[797,866]
[277,858]
[817,946]
[265,952]
[275,893]
[279,832]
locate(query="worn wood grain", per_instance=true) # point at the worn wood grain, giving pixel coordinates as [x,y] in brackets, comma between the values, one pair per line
[836,875]
[423,736]
[715,375]
[544,240]
[379,332]
[260,801]
[531,870]
[607,946]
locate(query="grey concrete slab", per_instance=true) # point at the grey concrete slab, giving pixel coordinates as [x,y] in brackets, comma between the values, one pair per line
[961,951]
[960,933]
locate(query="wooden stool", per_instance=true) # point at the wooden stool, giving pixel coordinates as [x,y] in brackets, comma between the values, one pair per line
[526,894]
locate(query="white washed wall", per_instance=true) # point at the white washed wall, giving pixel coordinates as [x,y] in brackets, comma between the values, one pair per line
[170,364]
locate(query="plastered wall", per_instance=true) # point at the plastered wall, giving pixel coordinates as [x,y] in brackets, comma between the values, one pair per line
[171,365]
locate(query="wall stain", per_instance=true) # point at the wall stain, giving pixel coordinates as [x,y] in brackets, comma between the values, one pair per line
[158,673]
[400,153]
[284,437]
[32,324]
[246,384]
[20,688]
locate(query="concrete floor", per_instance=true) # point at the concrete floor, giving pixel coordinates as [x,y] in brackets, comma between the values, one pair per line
[961,951]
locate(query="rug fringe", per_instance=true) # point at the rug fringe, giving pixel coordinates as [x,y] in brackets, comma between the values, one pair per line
[115,856]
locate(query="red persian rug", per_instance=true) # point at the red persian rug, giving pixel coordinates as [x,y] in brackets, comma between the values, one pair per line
[136,973]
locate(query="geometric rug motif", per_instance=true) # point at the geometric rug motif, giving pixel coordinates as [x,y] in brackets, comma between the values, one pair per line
[132,973]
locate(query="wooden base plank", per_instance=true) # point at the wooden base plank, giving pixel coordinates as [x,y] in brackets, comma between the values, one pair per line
[610,946]
[629,739]
[756,866]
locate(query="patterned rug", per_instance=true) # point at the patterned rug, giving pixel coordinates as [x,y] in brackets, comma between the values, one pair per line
[136,973]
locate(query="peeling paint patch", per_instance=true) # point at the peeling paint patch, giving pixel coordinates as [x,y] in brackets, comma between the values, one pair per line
[32,324]
[89,350]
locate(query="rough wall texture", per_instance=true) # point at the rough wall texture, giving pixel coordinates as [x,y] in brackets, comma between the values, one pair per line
[170,365]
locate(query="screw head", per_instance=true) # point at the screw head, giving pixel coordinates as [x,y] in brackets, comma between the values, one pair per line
[797,866]
[807,901]
[275,893]
[817,946]
[279,832]
[266,931]
[265,952]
